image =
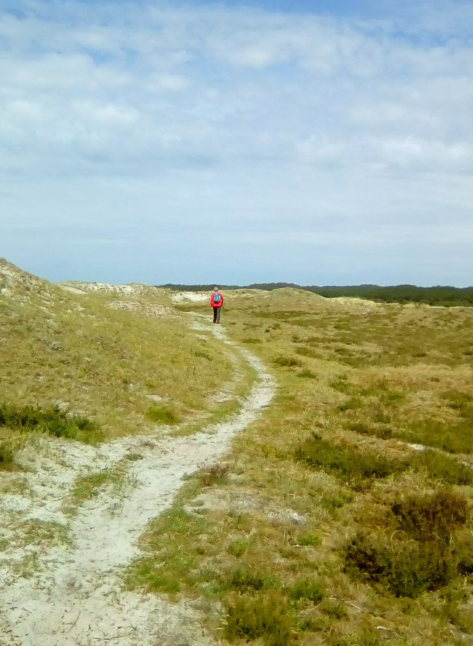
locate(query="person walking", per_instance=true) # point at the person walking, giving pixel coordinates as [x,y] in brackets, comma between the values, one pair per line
[216,302]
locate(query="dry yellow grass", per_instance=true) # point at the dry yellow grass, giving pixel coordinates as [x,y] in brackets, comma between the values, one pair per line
[108,355]
[264,540]
[368,380]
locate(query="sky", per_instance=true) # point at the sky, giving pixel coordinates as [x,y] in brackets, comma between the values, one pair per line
[323,142]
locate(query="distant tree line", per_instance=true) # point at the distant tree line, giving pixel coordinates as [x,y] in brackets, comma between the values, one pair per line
[437,295]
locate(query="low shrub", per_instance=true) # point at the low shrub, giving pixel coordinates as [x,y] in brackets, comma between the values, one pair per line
[384,432]
[53,421]
[153,579]
[335,609]
[244,578]
[162,415]
[309,540]
[6,454]
[306,351]
[365,638]
[266,615]
[454,437]
[431,517]
[406,568]
[458,400]
[442,467]
[215,475]
[305,373]
[203,355]
[239,547]
[352,403]
[426,554]
[287,362]
[341,384]
[464,547]
[309,589]
[346,460]
[333,500]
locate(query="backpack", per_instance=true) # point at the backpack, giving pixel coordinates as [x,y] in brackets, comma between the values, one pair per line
[217,298]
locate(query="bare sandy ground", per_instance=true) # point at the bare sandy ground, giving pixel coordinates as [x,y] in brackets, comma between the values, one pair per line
[75,596]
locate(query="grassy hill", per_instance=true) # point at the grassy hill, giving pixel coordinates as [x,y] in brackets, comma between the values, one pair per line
[343,517]
[93,362]
[442,295]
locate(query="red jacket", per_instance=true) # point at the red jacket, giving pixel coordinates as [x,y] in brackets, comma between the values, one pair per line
[212,300]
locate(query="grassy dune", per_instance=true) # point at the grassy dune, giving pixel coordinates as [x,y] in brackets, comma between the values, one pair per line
[94,365]
[343,515]
[330,524]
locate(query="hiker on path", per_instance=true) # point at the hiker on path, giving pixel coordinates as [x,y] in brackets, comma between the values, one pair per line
[216,302]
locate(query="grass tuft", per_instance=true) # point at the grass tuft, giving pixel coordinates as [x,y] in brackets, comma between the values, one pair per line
[308,589]
[6,454]
[287,362]
[267,616]
[162,415]
[345,460]
[215,475]
[53,421]
[444,468]
[305,373]
[245,579]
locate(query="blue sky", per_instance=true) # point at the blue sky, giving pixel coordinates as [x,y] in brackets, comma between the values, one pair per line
[316,142]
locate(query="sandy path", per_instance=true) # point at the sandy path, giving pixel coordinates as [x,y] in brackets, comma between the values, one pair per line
[75,598]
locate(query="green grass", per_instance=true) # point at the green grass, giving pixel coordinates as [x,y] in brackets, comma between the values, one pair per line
[309,589]
[246,579]
[162,415]
[342,520]
[103,355]
[287,362]
[91,484]
[354,387]
[267,616]
[52,421]
[216,474]
[346,461]
[441,467]
[171,536]
[447,436]
[7,454]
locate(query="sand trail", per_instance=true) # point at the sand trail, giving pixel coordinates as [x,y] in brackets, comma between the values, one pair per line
[75,596]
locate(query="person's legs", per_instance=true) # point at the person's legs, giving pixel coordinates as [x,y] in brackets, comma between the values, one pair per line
[215,314]
[218,314]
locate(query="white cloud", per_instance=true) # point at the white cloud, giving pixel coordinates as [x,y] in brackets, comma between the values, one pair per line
[202,115]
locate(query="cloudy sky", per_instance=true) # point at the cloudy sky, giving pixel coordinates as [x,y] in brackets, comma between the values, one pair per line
[314,141]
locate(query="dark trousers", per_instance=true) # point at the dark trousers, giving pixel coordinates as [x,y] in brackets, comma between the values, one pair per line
[217,314]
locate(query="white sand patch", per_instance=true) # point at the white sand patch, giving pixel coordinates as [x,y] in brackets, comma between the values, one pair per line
[71,289]
[75,598]
[236,502]
[416,447]
[160,311]
[190,297]
[84,287]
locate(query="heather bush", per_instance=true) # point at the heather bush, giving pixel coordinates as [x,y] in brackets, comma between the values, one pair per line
[267,616]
